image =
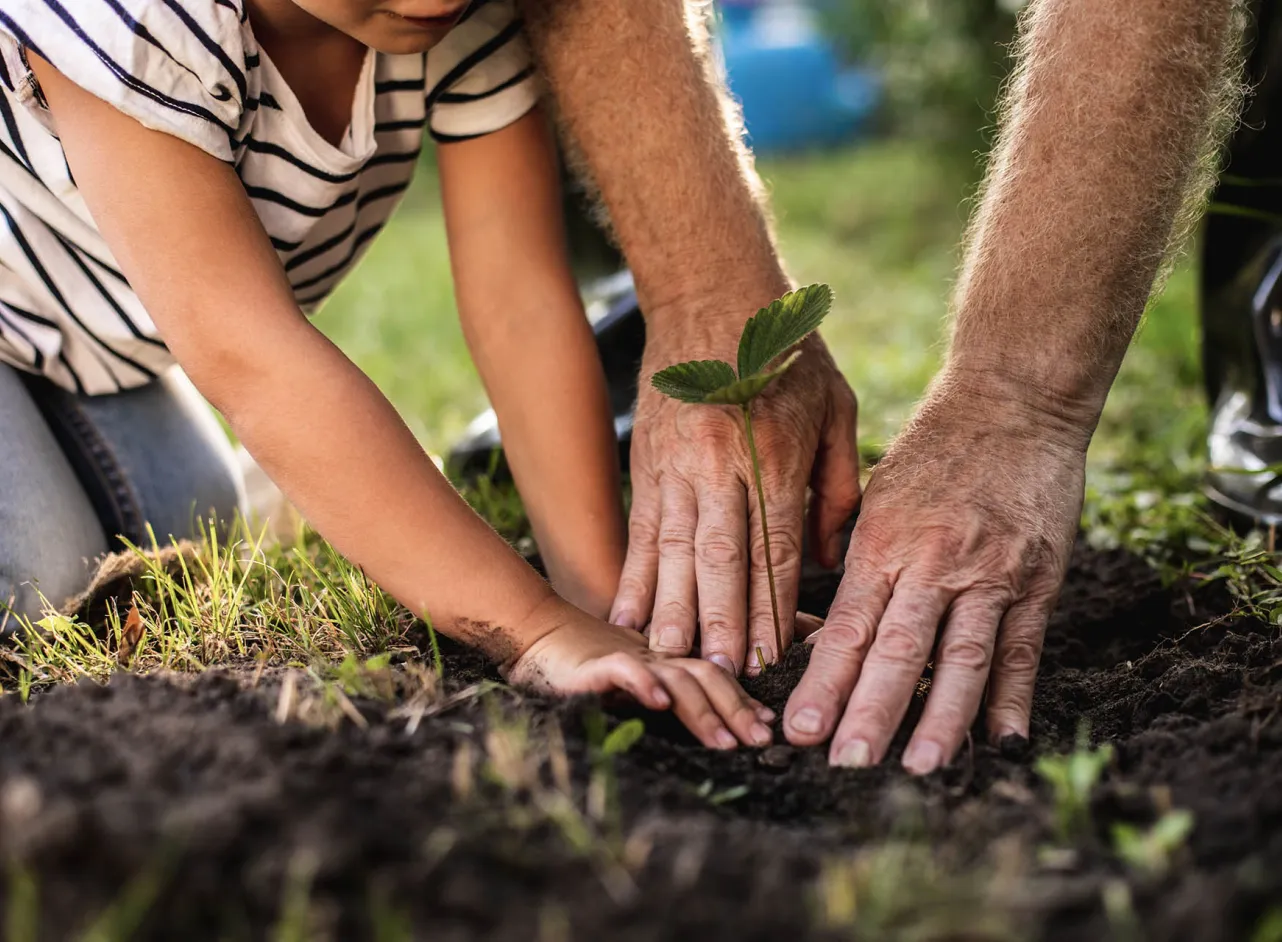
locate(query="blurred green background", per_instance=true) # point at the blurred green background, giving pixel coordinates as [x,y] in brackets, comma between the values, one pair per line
[879,219]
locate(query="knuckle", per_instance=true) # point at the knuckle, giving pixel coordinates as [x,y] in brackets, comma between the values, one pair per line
[843,637]
[903,646]
[676,541]
[719,548]
[643,530]
[785,543]
[1019,655]
[632,586]
[968,652]
[716,621]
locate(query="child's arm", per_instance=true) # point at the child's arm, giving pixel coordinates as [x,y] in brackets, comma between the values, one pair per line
[526,328]
[182,228]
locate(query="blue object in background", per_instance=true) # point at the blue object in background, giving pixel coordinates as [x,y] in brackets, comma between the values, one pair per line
[784,71]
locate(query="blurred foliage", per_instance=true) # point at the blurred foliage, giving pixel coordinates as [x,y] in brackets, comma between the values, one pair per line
[941,61]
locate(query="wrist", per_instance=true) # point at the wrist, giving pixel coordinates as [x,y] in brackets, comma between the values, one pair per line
[707,316]
[549,614]
[1018,401]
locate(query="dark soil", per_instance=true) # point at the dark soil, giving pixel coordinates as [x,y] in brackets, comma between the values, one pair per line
[182,803]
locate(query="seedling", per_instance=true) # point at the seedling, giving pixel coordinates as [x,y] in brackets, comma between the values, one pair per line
[1150,850]
[1072,779]
[766,337]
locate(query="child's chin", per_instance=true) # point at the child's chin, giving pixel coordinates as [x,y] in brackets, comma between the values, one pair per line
[403,41]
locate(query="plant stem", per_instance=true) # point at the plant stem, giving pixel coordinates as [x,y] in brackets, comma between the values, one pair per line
[765,527]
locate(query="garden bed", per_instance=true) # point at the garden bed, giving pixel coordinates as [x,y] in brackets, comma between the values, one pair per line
[264,803]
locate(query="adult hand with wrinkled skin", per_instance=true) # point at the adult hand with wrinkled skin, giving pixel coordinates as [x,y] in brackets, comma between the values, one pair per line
[967,524]
[696,558]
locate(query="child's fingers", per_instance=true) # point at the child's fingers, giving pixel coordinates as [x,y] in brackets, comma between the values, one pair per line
[735,708]
[691,705]
[627,673]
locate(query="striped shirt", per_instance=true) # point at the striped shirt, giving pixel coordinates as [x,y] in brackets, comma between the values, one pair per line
[191,68]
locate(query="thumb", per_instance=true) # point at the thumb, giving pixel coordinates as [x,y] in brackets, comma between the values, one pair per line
[835,478]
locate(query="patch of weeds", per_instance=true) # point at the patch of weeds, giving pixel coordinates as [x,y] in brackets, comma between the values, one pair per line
[905,890]
[533,773]
[234,600]
[1072,779]
[767,335]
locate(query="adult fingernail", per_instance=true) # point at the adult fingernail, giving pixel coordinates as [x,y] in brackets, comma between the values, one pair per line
[661,699]
[725,739]
[761,735]
[806,720]
[671,638]
[722,662]
[855,754]
[624,620]
[766,715]
[922,758]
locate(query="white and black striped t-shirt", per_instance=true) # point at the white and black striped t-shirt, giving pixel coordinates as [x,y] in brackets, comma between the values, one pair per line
[192,68]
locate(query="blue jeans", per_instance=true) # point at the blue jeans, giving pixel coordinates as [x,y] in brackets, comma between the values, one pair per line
[77,472]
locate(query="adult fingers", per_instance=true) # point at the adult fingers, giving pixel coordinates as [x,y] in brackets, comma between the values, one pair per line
[838,655]
[784,514]
[721,571]
[962,661]
[835,480]
[742,715]
[890,673]
[675,607]
[635,599]
[1017,654]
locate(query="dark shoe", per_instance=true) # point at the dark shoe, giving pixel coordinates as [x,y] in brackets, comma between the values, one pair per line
[1242,296]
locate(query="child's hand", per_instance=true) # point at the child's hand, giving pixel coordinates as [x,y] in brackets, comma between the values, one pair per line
[584,655]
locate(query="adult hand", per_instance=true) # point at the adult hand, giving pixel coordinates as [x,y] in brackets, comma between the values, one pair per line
[966,525]
[695,551]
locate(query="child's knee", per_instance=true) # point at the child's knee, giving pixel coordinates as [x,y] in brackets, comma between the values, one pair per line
[36,579]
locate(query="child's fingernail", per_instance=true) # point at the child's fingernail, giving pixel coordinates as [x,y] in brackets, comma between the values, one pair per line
[761,735]
[725,739]
[624,620]
[766,715]
[661,699]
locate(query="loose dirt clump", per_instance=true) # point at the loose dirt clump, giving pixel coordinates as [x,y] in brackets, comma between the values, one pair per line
[160,808]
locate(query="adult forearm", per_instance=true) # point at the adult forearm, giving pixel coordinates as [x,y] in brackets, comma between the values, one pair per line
[637,95]
[1108,143]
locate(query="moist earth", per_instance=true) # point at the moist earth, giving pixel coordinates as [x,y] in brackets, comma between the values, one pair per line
[167,807]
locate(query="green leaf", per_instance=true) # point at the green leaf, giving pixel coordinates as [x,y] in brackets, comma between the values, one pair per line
[623,737]
[776,328]
[743,391]
[693,381]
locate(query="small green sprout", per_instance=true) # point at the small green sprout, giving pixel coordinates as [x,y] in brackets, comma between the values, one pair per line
[766,336]
[1072,779]
[1149,850]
